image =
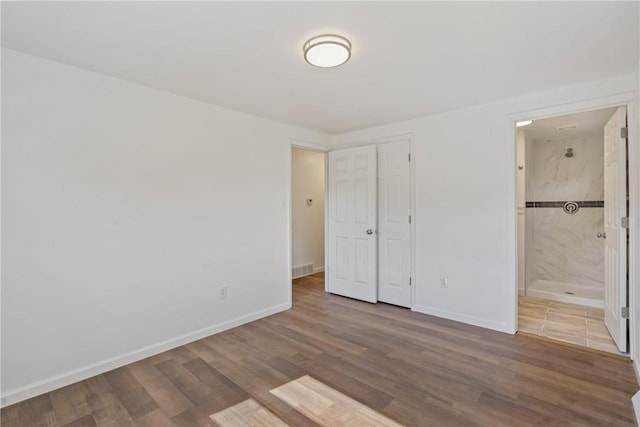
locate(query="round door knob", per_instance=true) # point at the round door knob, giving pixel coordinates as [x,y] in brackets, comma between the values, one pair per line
[602,235]
[369,231]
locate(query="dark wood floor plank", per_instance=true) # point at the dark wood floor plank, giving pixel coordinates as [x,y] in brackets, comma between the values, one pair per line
[155,418]
[70,402]
[415,369]
[225,392]
[188,384]
[180,354]
[37,411]
[162,391]
[86,421]
[194,417]
[131,393]
[106,407]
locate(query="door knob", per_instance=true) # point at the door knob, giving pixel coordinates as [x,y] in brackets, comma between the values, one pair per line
[603,235]
[369,231]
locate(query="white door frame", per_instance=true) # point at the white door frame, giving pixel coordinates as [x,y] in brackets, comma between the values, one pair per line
[296,143]
[630,100]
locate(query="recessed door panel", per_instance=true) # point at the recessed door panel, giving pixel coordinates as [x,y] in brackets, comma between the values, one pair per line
[342,261]
[362,260]
[361,200]
[393,194]
[394,260]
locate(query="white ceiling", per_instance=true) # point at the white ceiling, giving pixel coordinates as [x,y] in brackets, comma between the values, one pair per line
[589,123]
[409,59]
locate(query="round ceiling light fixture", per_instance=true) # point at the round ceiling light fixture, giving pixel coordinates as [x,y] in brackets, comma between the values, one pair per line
[327,50]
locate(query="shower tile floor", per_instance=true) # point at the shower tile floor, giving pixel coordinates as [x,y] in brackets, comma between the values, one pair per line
[572,323]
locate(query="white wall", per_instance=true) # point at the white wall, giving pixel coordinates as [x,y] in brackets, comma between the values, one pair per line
[307,221]
[465,194]
[124,210]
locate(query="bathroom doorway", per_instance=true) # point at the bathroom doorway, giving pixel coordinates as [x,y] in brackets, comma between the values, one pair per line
[570,281]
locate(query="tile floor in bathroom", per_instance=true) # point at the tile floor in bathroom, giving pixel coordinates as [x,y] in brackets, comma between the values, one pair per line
[572,323]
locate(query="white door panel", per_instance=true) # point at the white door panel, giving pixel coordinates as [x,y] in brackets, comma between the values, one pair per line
[394,228]
[352,211]
[615,207]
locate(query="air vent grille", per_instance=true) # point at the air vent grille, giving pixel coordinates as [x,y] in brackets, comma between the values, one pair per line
[566,128]
[302,270]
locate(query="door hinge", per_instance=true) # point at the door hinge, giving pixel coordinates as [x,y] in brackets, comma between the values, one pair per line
[410,281]
[624,312]
[409,219]
[624,133]
[409,156]
[624,222]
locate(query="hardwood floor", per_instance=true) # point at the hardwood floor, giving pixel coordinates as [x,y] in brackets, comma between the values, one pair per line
[412,368]
[572,323]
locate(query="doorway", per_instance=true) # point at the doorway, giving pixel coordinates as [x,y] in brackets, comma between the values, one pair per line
[572,244]
[307,217]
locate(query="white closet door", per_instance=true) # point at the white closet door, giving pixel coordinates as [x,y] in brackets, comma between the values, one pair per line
[394,228]
[352,223]
[615,244]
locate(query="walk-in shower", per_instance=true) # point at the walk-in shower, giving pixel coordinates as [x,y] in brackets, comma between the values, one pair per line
[563,212]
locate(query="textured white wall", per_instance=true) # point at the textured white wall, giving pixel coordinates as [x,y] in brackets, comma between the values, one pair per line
[124,210]
[307,182]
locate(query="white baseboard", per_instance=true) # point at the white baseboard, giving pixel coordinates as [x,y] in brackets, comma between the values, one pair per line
[471,320]
[44,386]
[635,400]
[315,270]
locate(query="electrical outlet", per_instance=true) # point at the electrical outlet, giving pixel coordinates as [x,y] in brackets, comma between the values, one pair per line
[223,292]
[444,282]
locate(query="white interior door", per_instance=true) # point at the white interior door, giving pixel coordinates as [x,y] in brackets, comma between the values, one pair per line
[394,223]
[615,243]
[352,198]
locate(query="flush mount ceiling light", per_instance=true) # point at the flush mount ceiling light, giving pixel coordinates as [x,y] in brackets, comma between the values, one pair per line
[327,50]
[524,123]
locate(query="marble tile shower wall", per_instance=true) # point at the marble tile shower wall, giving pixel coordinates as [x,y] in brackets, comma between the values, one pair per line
[563,247]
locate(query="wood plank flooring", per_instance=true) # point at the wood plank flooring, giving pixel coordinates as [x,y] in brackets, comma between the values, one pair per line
[247,413]
[412,368]
[327,406]
[572,323]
